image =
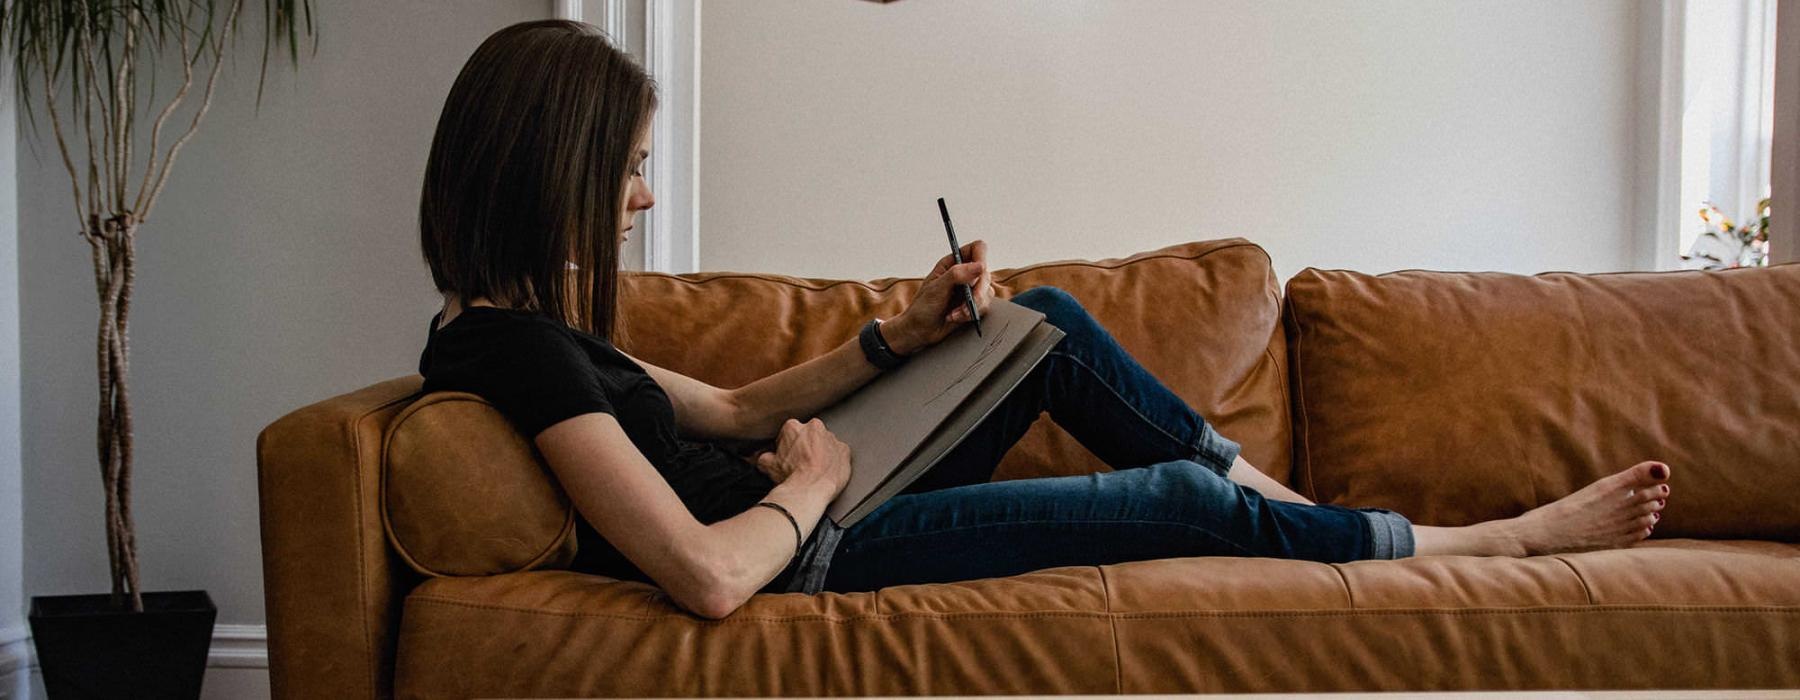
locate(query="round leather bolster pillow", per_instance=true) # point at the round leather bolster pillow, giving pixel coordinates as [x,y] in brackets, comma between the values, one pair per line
[464,494]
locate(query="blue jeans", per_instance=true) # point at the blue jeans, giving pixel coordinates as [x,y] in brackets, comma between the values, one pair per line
[1168,495]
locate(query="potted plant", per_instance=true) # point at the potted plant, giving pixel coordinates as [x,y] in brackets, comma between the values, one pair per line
[1725,244]
[127,643]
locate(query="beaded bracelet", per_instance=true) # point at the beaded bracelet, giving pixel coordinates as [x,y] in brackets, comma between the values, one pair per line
[791,521]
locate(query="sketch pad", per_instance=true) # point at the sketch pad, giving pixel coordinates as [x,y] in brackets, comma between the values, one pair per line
[904,421]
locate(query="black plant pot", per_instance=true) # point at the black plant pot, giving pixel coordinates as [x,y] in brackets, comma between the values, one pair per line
[88,648]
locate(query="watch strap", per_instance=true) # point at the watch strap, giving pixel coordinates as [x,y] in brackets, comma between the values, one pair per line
[876,348]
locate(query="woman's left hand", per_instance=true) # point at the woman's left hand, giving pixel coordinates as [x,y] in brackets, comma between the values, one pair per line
[938,308]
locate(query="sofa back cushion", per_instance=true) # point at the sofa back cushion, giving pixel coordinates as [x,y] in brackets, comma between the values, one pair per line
[1202,316]
[1460,397]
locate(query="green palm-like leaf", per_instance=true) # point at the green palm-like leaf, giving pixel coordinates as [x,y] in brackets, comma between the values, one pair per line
[45,34]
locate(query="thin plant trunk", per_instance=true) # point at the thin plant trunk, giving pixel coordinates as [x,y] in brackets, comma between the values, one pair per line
[114,242]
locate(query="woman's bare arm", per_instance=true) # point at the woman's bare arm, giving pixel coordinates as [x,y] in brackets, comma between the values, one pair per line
[757,410]
[707,569]
[702,410]
[803,390]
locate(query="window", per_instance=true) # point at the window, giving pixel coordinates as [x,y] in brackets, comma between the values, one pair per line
[1727,114]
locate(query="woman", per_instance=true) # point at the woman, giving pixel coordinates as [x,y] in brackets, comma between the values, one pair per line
[532,184]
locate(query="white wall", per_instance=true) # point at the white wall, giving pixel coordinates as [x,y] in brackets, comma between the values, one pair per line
[280,267]
[1371,135]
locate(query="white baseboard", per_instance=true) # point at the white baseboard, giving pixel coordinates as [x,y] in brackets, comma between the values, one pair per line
[243,648]
[15,663]
[239,646]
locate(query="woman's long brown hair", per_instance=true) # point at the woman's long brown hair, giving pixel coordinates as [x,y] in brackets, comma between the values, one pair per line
[528,169]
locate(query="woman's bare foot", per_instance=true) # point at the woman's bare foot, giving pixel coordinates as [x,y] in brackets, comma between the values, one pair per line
[1614,511]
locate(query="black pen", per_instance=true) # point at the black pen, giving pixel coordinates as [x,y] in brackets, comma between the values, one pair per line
[956,255]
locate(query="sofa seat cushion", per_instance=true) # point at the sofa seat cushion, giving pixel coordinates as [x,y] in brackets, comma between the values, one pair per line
[1710,613]
[1666,614]
[559,633]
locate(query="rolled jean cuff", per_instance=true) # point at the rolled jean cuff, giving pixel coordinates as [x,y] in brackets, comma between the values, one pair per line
[1390,534]
[1215,451]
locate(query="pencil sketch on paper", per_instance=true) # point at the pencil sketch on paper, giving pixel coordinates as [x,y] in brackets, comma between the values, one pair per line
[978,368]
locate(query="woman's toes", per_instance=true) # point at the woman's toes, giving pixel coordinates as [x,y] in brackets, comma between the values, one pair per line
[1638,477]
[1615,511]
[1650,472]
[1651,494]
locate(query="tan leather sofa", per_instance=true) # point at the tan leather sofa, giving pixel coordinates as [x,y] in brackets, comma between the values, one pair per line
[413,546]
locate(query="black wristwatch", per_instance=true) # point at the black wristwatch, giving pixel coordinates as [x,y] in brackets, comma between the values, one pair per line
[875,347]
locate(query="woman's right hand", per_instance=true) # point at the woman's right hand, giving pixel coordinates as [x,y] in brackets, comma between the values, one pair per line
[807,449]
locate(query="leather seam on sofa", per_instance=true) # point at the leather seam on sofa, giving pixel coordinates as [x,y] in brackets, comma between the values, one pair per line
[1550,273]
[1135,615]
[1287,400]
[1585,590]
[1112,626]
[1279,295]
[362,579]
[387,526]
[1301,460]
[796,282]
[741,618]
[1349,596]
[1117,263]
[1536,610]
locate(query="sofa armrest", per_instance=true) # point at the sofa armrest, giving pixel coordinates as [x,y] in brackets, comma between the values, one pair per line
[330,583]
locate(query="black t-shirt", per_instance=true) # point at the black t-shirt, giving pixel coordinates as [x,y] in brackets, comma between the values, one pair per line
[538,371]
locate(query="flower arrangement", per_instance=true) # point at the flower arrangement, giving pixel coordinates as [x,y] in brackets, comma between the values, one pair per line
[1727,245]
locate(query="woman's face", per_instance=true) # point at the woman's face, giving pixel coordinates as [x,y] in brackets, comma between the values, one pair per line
[637,190]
